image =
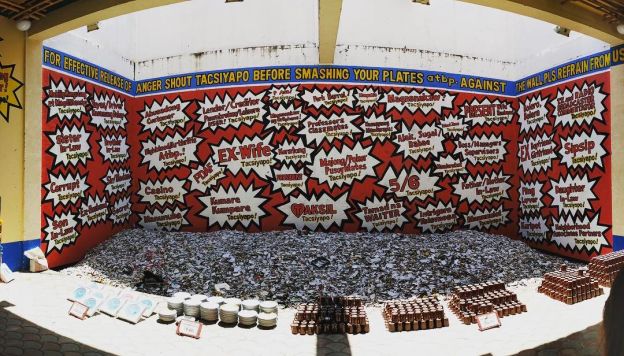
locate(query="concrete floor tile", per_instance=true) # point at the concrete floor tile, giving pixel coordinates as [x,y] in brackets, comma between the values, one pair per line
[32,345]
[33,352]
[31,330]
[13,351]
[31,337]
[66,347]
[56,353]
[13,332]
[71,353]
[13,342]
[50,338]
[50,346]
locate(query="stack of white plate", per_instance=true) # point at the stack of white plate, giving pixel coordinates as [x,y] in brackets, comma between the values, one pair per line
[228,313]
[209,311]
[268,307]
[251,304]
[234,301]
[247,317]
[183,295]
[199,297]
[191,307]
[216,299]
[167,315]
[267,320]
[176,304]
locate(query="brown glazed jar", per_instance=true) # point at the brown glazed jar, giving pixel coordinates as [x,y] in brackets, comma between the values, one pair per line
[294,328]
[363,318]
[423,325]
[466,319]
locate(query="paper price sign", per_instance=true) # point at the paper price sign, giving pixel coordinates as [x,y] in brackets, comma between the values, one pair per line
[78,310]
[189,328]
[488,321]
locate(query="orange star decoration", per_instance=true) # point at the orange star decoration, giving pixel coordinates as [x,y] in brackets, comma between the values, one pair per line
[8,90]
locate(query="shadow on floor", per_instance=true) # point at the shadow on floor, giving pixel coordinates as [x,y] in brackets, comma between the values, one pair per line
[332,345]
[585,342]
[19,336]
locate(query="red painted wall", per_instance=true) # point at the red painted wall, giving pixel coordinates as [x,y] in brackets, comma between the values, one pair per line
[383,154]
[572,213]
[327,157]
[79,207]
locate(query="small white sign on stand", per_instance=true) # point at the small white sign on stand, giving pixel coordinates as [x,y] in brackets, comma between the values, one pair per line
[78,310]
[488,321]
[189,328]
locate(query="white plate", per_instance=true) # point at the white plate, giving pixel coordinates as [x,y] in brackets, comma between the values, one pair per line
[200,297]
[267,316]
[229,308]
[247,314]
[209,306]
[150,306]
[216,299]
[183,295]
[93,300]
[250,304]
[235,301]
[269,304]
[192,303]
[132,312]
[112,306]
[78,293]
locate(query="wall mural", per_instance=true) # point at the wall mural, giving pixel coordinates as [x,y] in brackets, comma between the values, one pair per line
[86,182]
[565,176]
[324,156]
[317,156]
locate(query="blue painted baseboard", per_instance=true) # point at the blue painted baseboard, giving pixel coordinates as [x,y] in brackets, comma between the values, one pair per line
[618,243]
[13,254]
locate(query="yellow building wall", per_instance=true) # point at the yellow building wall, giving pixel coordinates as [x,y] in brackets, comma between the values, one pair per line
[12,135]
[32,150]
[617,147]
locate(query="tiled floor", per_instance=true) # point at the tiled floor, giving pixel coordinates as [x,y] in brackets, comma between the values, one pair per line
[582,343]
[19,336]
[34,321]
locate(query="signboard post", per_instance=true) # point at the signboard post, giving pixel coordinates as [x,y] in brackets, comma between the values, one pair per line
[78,310]
[189,328]
[488,321]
